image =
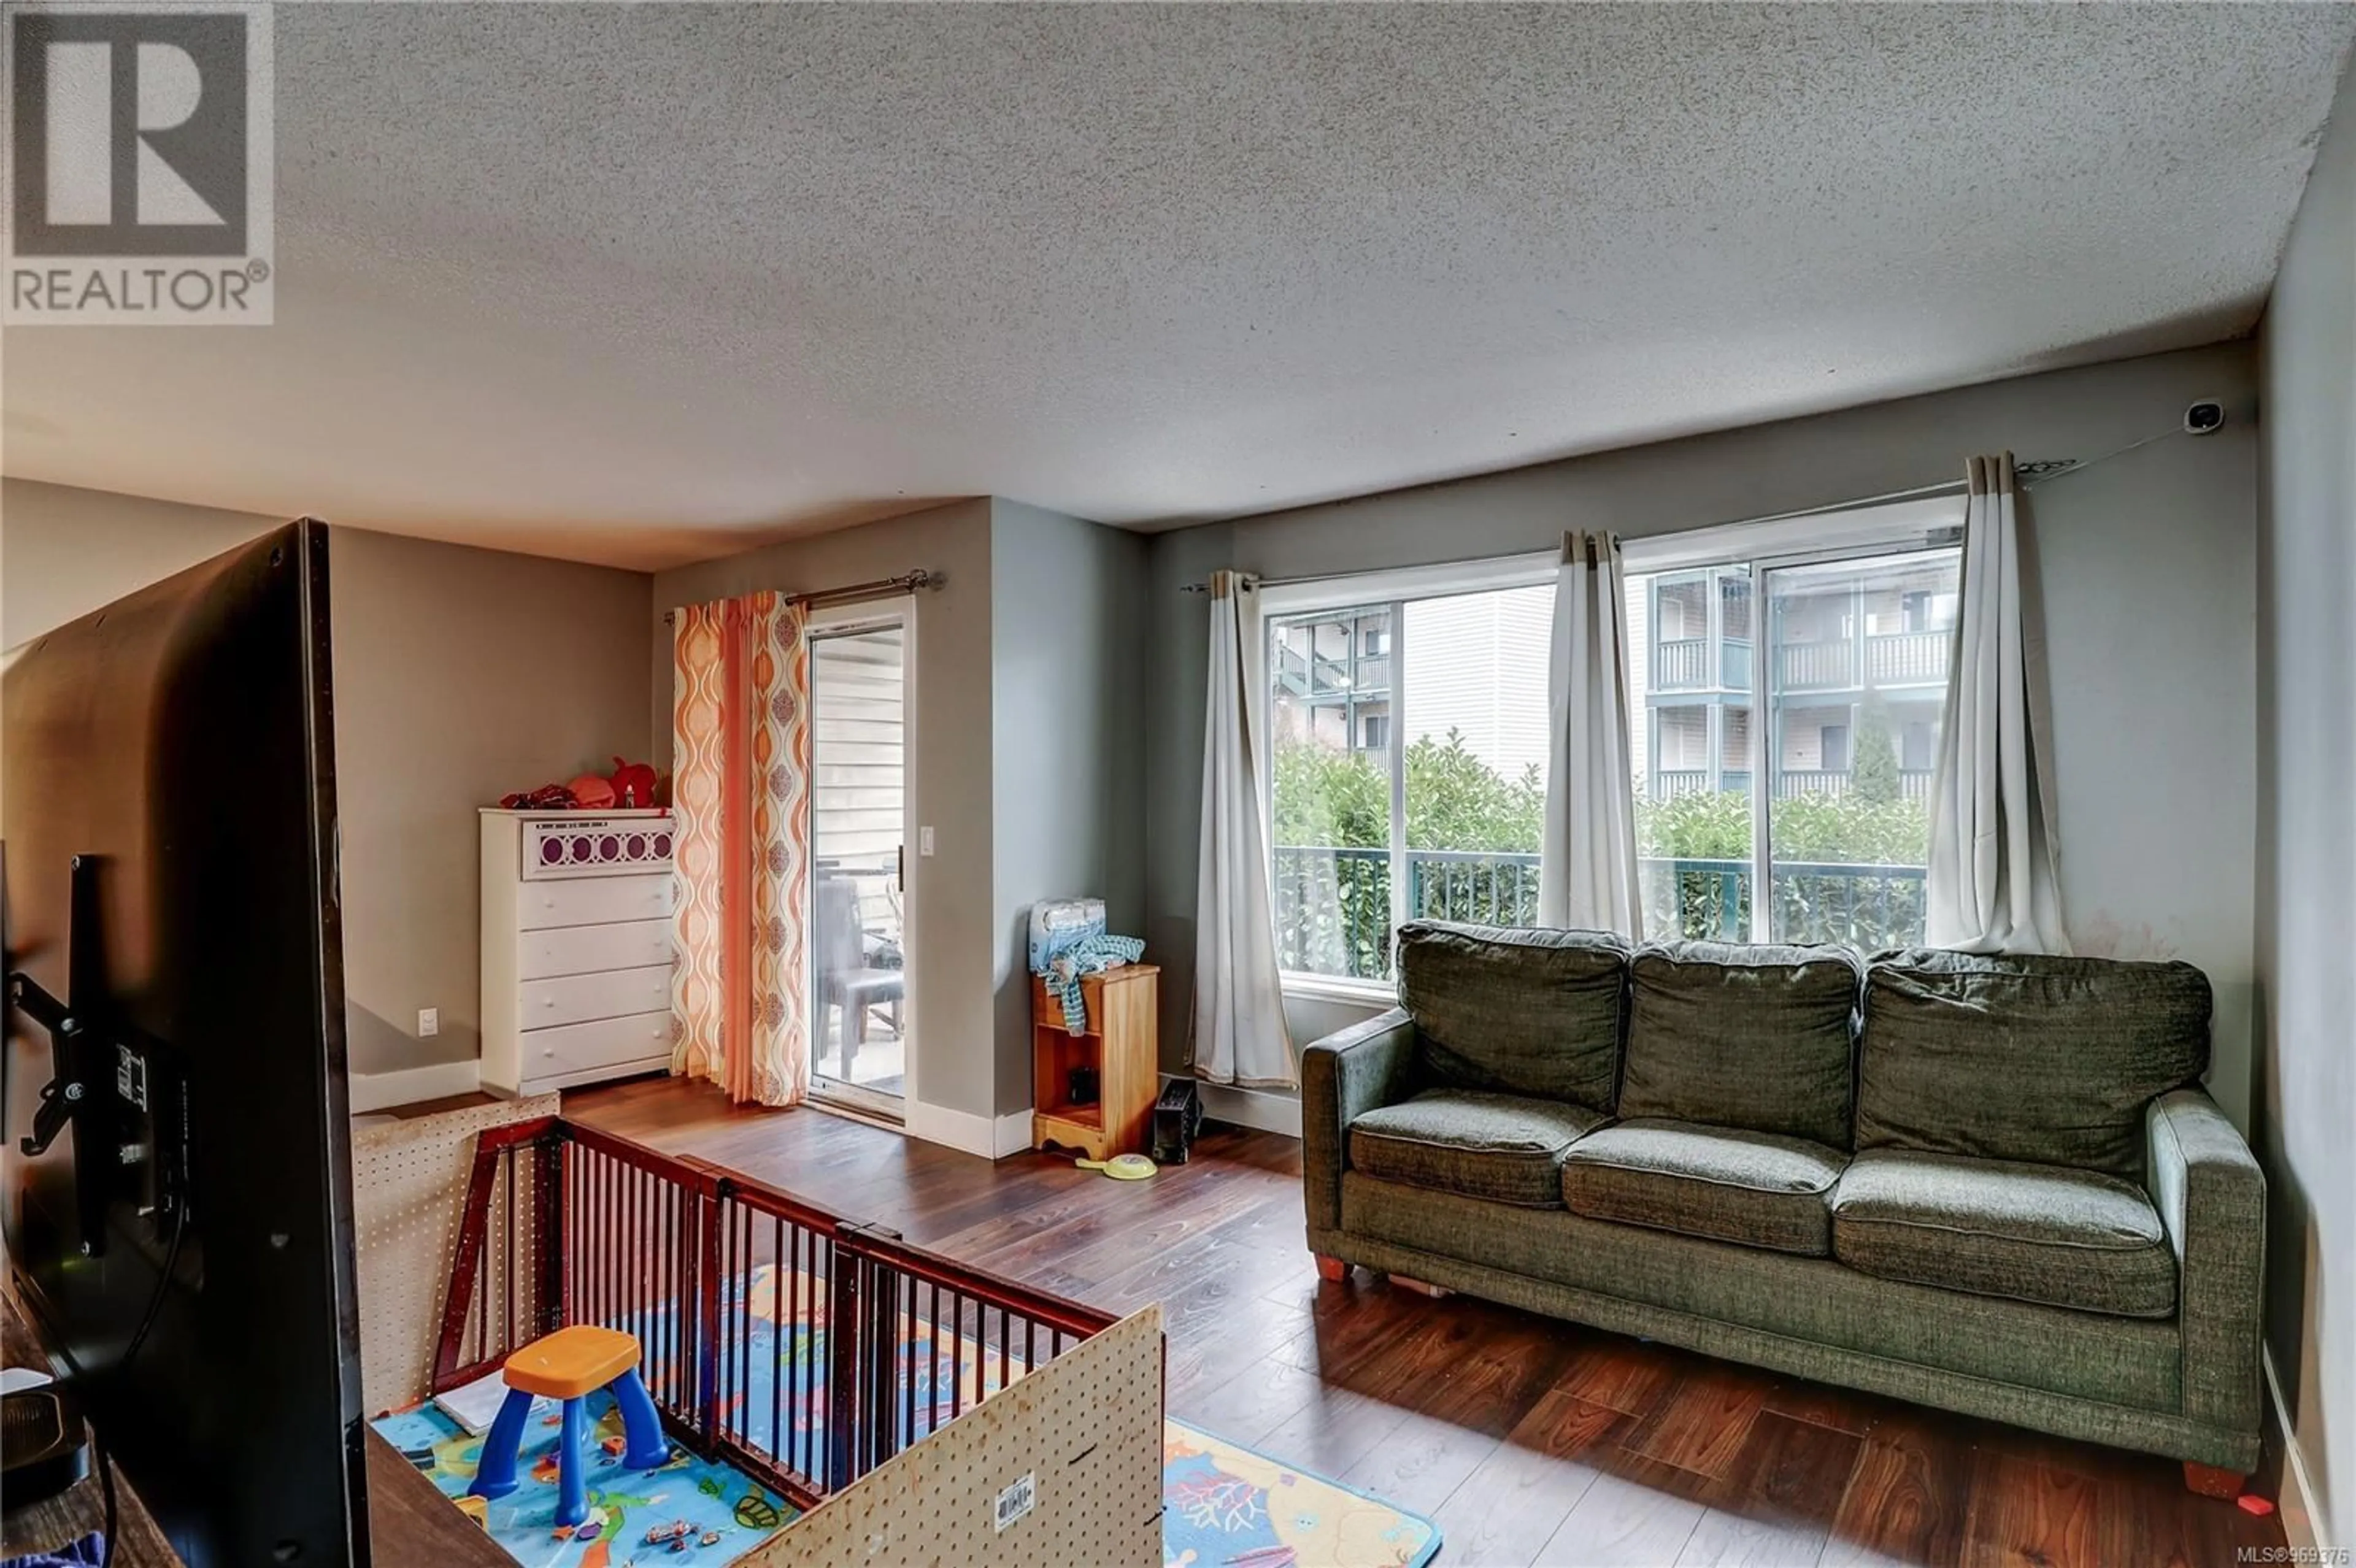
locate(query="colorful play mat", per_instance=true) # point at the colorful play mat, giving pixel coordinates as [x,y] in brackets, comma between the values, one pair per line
[1223,1502]
[713,1509]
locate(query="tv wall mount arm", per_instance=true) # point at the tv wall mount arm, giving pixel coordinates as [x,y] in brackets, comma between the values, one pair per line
[104,1082]
[67,1091]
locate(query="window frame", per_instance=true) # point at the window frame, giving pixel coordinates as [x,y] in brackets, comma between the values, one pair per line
[1393,591]
[1824,536]
[1863,533]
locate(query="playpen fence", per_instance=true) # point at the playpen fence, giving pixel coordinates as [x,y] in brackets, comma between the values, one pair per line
[872,1344]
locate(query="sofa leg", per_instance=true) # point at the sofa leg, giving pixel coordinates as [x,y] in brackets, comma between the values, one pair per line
[1331,1269]
[2211,1482]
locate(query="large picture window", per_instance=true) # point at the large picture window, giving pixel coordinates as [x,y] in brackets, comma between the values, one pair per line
[1783,720]
[1785,714]
[1408,738]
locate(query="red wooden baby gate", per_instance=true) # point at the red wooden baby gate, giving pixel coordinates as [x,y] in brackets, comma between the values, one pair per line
[872,1343]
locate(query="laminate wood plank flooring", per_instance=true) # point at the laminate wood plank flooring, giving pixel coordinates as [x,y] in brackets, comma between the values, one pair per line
[1530,1441]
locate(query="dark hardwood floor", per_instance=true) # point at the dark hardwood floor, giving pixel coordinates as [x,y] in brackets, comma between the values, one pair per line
[1529,1440]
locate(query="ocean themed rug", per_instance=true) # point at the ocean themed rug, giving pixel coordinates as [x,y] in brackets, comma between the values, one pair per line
[712,1508]
[1223,1503]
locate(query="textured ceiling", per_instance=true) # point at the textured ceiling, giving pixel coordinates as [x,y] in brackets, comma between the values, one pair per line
[644,284]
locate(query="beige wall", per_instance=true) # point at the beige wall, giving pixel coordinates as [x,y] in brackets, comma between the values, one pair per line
[64,551]
[2306,861]
[2150,596]
[459,674]
[951,915]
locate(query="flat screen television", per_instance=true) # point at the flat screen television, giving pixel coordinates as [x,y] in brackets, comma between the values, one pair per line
[175,1048]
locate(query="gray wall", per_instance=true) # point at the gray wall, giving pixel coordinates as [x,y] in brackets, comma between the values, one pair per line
[1068,763]
[953,916]
[460,674]
[2306,858]
[2150,591]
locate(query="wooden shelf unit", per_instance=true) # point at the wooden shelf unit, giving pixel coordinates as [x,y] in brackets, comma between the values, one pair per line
[1121,1043]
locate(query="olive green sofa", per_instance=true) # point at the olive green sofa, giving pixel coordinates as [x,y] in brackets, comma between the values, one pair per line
[1988,1184]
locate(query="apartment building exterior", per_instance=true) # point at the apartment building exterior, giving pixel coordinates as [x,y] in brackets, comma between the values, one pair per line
[1847,652]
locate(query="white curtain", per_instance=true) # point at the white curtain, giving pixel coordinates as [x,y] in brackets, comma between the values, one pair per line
[1587,858]
[1239,1034]
[1995,881]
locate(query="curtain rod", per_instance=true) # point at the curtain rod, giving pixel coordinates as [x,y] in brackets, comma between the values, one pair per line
[878,588]
[2030,475]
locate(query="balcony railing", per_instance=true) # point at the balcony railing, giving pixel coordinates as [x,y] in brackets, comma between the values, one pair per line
[1325,676]
[1815,667]
[1333,913]
[1907,658]
[1333,906]
[1668,783]
[1895,659]
[1915,783]
[1683,663]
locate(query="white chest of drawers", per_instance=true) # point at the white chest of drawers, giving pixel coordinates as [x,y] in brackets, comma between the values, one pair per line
[576,948]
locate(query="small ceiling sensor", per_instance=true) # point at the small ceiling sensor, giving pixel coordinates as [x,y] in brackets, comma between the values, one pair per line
[2203,417]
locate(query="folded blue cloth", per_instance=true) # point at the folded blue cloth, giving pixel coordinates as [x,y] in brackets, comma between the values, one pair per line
[1091,956]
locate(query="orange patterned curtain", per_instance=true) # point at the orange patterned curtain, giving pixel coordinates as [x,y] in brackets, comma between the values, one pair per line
[777,1066]
[740,741]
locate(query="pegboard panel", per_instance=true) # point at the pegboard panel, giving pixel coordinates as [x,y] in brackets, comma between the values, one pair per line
[1086,1426]
[409,1185]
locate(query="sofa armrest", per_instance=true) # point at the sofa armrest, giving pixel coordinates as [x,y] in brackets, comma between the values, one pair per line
[2211,1196]
[1343,1077]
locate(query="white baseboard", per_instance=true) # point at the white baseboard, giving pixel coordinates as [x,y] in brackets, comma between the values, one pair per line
[2304,1526]
[382,1090]
[1013,1134]
[1268,1110]
[991,1137]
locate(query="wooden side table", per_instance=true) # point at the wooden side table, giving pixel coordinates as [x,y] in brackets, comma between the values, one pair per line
[1121,1046]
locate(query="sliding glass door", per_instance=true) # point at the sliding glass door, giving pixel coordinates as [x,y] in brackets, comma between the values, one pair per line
[859,1012]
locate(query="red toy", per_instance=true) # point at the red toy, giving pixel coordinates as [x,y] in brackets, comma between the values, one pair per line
[591,792]
[634,784]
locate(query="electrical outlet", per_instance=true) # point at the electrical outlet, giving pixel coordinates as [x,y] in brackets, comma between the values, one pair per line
[429,1022]
[924,841]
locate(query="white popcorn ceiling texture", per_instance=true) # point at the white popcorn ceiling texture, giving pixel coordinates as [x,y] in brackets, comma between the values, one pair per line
[647,285]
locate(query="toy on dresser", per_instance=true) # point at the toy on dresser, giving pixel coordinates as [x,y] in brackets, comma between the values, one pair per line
[633,786]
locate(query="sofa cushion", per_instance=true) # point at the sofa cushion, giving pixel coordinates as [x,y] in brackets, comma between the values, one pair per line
[2047,1061]
[1729,1184]
[1516,1011]
[2033,1232]
[1503,1148]
[1811,1317]
[1743,1037]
